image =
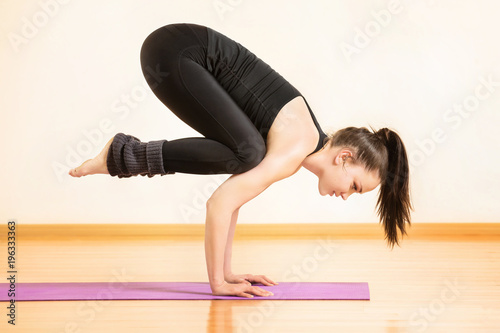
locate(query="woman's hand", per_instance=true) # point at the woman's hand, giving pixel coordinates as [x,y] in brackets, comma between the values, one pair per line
[239,289]
[248,279]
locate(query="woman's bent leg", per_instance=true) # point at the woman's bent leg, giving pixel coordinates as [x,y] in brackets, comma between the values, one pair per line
[231,143]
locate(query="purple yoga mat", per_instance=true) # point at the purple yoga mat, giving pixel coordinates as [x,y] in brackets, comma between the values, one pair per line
[79,291]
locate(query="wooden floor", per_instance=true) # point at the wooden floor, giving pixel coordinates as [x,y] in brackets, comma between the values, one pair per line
[427,285]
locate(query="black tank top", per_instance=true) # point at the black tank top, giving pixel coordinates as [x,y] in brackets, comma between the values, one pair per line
[259,90]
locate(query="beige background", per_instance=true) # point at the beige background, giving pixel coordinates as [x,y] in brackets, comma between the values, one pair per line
[72,79]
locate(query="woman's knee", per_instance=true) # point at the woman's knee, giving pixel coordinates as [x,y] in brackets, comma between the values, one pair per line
[251,153]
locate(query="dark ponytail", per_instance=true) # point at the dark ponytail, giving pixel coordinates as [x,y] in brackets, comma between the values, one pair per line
[394,195]
[385,152]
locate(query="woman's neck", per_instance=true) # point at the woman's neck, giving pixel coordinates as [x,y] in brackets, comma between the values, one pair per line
[317,161]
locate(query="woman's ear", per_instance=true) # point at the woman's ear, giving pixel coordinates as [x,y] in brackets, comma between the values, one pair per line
[342,155]
[338,160]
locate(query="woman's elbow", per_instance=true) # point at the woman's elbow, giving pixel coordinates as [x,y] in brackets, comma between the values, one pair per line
[218,211]
[216,203]
[220,204]
[210,203]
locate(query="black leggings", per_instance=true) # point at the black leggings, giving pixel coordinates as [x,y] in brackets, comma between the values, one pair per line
[173,60]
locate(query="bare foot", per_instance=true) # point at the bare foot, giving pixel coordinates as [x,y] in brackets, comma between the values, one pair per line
[97,165]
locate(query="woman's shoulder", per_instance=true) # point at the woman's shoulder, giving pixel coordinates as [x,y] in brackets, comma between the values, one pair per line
[293,132]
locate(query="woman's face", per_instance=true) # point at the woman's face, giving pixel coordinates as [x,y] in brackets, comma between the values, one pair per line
[342,180]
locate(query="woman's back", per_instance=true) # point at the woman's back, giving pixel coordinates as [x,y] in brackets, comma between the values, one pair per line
[259,90]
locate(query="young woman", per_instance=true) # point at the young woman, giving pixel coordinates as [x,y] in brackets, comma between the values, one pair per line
[257,127]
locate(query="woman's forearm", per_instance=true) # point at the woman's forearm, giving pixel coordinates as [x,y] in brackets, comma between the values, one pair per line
[218,220]
[229,196]
[229,244]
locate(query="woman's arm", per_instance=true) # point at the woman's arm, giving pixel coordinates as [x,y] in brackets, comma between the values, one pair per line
[229,245]
[229,277]
[229,197]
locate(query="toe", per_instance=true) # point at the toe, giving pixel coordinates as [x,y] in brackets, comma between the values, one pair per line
[76,172]
[73,172]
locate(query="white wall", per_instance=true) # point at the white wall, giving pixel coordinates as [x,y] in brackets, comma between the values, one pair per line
[72,69]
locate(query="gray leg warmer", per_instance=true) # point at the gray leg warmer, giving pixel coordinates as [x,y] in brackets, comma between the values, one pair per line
[128,156]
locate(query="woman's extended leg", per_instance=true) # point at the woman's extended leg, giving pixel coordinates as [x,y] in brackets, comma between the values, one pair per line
[172,60]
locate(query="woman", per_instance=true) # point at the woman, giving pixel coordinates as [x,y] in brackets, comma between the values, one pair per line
[257,127]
